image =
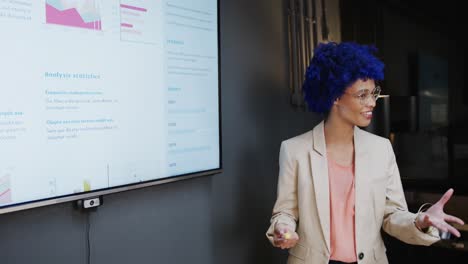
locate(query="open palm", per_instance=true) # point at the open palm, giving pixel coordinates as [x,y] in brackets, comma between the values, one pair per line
[436,217]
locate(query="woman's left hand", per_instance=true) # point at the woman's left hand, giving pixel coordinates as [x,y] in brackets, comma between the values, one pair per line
[436,217]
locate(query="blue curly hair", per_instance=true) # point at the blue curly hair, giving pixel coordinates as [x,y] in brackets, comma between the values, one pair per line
[335,67]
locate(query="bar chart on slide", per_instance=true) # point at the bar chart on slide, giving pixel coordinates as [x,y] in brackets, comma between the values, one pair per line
[80,14]
[5,189]
[138,23]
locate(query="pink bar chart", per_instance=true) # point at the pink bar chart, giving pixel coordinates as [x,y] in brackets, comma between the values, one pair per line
[80,14]
[139,21]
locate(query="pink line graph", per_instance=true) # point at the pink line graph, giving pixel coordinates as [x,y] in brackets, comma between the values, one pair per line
[133,8]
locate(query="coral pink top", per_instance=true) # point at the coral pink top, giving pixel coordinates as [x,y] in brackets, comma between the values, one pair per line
[342,201]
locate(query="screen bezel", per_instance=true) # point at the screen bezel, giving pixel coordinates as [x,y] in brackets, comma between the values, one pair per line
[133,186]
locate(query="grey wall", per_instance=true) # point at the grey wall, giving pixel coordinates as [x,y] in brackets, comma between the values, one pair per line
[214,219]
[256,117]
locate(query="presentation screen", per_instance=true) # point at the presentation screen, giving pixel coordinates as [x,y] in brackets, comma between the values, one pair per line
[100,96]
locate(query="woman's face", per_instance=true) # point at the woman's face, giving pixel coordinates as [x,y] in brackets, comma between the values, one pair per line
[356,104]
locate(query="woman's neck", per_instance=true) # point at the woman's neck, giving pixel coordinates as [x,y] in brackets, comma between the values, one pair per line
[338,132]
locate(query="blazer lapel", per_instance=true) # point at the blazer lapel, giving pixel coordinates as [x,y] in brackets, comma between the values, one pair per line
[361,177]
[318,159]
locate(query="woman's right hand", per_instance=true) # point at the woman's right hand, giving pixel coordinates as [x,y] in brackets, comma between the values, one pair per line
[284,237]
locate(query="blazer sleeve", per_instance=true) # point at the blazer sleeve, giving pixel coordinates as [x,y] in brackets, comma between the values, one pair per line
[398,221]
[285,209]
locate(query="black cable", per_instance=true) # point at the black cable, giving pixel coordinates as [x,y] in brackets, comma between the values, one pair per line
[88,241]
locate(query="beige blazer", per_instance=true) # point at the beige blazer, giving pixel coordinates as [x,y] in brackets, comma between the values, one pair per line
[303,198]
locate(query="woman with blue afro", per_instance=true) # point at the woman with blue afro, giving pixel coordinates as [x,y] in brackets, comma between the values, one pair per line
[339,185]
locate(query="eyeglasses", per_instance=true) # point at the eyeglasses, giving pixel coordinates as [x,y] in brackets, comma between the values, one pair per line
[365,95]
